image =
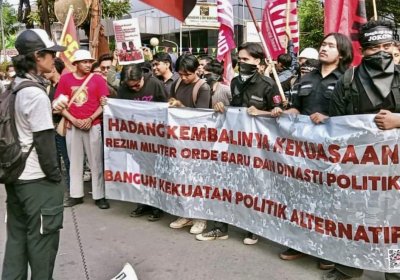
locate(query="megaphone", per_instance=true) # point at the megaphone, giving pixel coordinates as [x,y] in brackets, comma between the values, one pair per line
[127,273]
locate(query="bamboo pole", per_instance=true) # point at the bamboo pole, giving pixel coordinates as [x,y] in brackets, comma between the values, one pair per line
[266,51]
[375,13]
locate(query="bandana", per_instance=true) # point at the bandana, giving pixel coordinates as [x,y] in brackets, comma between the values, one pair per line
[375,36]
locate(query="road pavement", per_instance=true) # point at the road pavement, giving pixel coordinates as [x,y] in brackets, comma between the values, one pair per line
[110,238]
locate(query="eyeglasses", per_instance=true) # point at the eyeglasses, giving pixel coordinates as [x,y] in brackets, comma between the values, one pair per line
[105,68]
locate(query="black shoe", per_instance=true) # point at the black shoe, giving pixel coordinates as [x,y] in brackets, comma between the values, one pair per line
[71,201]
[291,254]
[155,215]
[140,210]
[102,203]
[326,265]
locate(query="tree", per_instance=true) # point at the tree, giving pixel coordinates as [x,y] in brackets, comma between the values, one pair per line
[10,23]
[311,15]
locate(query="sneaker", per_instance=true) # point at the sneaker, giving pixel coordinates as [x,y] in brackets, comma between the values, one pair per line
[213,234]
[87,176]
[335,275]
[291,254]
[250,239]
[71,201]
[140,210]
[155,215]
[102,203]
[326,265]
[198,226]
[181,223]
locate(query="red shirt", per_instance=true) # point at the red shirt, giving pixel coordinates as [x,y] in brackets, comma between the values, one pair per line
[88,100]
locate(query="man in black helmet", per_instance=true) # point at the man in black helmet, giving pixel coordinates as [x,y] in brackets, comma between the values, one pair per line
[35,200]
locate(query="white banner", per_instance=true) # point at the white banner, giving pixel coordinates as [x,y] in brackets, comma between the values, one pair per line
[329,190]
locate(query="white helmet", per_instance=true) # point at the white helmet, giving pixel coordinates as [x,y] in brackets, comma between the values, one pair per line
[309,53]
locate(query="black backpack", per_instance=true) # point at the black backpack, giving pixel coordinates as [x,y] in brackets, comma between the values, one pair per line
[12,159]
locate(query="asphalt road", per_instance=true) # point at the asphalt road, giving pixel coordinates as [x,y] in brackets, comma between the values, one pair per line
[110,238]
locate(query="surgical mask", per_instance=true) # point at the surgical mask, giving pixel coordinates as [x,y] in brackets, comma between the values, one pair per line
[211,78]
[380,61]
[246,69]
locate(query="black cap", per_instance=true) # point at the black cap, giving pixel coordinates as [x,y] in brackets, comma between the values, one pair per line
[31,40]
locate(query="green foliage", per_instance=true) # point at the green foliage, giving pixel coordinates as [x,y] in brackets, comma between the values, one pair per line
[115,9]
[386,8]
[311,15]
[10,24]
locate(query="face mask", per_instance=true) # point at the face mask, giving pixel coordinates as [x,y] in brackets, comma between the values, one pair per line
[246,69]
[11,74]
[379,61]
[211,78]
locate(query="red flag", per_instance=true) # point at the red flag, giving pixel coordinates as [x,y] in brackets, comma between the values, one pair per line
[225,37]
[179,9]
[71,42]
[346,16]
[273,26]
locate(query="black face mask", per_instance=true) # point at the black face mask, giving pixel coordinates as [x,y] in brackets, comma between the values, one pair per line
[246,69]
[211,78]
[380,61]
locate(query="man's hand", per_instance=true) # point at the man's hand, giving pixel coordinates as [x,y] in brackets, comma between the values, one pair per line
[86,124]
[172,102]
[253,111]
[219,107]
[77,123]
[318,118]
[387,120]
[60,103]
[103,101]
[276,112]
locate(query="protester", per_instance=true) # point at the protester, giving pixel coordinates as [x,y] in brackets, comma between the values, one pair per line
[61,144]
[105,63]
[203,61]
[32,237]
[183,95]
[396,53]
[307,53]
[372,89]
[213,73]
[162,69]
[283,67]
[10,75]
[261,95]
[84,127]
[136,85]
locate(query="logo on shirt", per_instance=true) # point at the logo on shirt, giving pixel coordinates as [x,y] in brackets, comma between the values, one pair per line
[277,99]
[81,97]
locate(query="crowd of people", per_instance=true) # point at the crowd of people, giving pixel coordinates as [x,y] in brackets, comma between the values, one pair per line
[317,83]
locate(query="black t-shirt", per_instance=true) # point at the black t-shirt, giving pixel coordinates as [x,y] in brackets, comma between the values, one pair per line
[152,90]
[259,91]
[314,92]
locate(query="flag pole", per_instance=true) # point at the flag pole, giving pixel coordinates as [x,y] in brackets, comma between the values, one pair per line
[287,29]
[70,11]
[375,13]
[266,51]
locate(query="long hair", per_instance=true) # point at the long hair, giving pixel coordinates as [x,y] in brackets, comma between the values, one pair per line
[25,64]
[345,50]
[132,72]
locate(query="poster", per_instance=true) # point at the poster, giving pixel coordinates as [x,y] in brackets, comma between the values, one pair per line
[128,42]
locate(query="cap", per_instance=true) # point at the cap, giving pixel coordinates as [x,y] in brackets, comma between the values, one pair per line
[31,40]
[80,55]
[309,53]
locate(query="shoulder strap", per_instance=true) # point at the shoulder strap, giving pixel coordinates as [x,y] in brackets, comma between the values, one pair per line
[80,88]
[25,84]
[178,83]
[348,86]
[196,88]
[396,91]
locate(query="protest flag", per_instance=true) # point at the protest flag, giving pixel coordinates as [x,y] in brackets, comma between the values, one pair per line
[346,17]
[69,39]
[226,41]
[279,17]
[179,9]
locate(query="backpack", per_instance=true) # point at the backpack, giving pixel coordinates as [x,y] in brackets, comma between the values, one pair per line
[351,92]
[196,88]
[12,159]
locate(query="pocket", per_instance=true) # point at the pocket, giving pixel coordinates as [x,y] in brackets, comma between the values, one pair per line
[327,93]
[51,219]
[304,91]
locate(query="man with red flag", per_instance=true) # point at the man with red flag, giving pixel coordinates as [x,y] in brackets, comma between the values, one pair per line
[346,17]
